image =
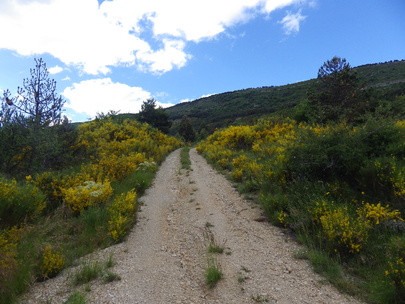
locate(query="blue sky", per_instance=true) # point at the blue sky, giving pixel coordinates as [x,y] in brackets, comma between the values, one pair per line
[113,55]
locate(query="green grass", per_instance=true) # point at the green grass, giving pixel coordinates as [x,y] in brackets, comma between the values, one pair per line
[185,158]
[214,248]
[241,280]
[76,298]
[213,245]
[209,225]
[260,298]
[87,273]
[91,271]
[213,274]
[245,269]
[110,277]
[110,262]
[140,180]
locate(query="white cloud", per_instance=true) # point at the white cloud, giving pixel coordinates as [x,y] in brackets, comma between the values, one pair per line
[102,95]
[291,22]
[96,37]
[55,70]
[270,5]
[165,105]
[164,60]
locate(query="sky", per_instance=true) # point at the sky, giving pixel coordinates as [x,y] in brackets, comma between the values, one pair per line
[116,54]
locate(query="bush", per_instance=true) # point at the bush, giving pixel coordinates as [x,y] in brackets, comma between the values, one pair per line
[89,194]
[52,262]
[122,214]
[19,202]
[340,187]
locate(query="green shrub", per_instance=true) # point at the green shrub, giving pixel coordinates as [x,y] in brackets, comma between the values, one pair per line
[19,202]
[76,298]
[122,215]
[52,262]
[91,229]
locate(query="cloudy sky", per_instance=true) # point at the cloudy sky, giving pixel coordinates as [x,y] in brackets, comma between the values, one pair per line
[112,55]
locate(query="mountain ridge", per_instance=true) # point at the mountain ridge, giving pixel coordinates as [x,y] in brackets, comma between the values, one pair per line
[246,105]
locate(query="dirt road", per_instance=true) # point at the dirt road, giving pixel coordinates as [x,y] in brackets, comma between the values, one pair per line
[166,255]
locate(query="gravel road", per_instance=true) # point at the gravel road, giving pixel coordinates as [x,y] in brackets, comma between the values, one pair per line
[165,257]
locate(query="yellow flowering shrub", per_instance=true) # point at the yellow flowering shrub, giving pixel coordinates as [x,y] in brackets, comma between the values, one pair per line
[396,273]
[237,174]
[375,214]
[110,150]
[392,172]
[116,167]
[121,215]
[118,148]
[255,154]
[254,170]
[8,254]
[239,137]
[341,228]
[19,202]
[52,262]
[122,138]
[292,166]
[88,194]
[351,230]
[223,163]
[282,218]
[240,161]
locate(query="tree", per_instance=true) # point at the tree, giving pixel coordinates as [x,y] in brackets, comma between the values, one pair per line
[337,94]
[186,130]
[28,124]
[37,100]
[333,67]
[156,117]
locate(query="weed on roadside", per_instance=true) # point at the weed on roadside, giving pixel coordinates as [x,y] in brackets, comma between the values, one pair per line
[88,272]
[213,273]
[76,298]
[213,245]
[214,248]
[110,262]
[245,269]
[110,277]
[260,298]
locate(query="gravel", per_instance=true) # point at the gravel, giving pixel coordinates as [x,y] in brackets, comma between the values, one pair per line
[165,256]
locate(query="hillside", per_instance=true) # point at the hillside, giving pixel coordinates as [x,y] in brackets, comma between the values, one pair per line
[219,110]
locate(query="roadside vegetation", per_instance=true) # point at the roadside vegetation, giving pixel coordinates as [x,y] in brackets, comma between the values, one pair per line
[336,179]
[66,190]
[52,218]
